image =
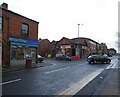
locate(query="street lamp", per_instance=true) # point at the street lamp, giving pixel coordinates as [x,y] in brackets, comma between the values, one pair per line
[78,28]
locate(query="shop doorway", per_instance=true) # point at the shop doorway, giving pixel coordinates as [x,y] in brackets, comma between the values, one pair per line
[33,55]
[73,51]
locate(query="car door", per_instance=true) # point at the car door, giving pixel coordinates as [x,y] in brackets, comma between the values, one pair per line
[102,59]
[105,58]
[99,58]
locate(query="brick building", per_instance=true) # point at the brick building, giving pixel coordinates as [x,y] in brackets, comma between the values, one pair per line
[111,51]
[19,37]
[80,47]
[103,48]
[53,48]
[43,47]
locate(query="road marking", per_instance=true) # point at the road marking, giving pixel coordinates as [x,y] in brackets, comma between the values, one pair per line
[10,81]
[108,67]
[56,70]
[82,83]
[112,65]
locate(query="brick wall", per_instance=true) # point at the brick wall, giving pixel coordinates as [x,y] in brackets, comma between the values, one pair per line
[15,21]
[12,26]
[44,47]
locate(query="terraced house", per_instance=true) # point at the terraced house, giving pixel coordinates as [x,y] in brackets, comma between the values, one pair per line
[19,37]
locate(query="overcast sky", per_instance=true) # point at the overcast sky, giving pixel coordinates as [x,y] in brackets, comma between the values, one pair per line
[60,18]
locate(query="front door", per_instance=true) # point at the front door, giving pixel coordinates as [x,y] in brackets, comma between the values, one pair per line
[33,53]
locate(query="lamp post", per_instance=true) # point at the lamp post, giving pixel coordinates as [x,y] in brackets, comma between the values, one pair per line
[78,28]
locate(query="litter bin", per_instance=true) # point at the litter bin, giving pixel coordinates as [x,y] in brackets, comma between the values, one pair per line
[28,63]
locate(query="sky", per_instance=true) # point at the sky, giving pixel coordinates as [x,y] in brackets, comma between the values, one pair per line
[60,18]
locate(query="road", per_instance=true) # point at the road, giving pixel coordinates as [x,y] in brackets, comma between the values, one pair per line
[61,78]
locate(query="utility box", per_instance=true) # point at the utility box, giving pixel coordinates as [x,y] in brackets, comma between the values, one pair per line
[28,63]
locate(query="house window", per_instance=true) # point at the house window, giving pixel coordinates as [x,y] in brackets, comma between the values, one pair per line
[0,23]
[25,29]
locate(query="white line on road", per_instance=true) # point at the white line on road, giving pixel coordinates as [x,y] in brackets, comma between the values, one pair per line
[56,70]
[108,67]
[113,65]
[10,81]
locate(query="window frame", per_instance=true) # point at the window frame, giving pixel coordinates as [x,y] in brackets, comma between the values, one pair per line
[1,23]
[24,30]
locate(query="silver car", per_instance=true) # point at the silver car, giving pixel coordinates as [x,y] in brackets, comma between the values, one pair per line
[63,57]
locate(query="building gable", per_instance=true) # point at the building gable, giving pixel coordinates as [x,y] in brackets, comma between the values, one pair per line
[64,41]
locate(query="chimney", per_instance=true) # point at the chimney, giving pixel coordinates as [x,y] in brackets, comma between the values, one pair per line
[39,39]
[5,6]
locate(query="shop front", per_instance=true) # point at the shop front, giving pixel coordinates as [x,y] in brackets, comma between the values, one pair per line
[70,50]
[65,49]
[22,48]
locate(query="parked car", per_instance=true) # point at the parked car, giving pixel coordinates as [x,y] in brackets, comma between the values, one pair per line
[27,56]
[98,58]
[109,55]
[40,58]
[63,57]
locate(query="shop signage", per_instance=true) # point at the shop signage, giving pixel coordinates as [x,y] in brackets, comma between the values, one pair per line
[22,41]
[17,40]
[65,46]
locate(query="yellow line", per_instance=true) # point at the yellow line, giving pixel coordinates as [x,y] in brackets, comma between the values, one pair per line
[80,84]
[65,91]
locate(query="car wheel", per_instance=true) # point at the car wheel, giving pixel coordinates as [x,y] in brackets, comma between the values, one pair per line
[102,62]
[89,62]
[108,61]
[94,61]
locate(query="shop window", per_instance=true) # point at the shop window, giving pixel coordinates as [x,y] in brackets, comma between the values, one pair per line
[17,53]
[25,29]
[0,23]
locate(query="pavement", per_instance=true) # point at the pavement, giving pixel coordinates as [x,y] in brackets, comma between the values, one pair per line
[22,66]
[19,67]
[105,84]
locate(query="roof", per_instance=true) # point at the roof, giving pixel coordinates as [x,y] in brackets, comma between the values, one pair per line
[54,42]
[79,41]
[41,40]
[84,38]
[18,14]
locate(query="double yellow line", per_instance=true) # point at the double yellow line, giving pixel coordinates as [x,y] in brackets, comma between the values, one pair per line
[80,84]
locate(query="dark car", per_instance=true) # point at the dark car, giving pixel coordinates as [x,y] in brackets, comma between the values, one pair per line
[109,55]
[40,58]
[98,59]
[63,57]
